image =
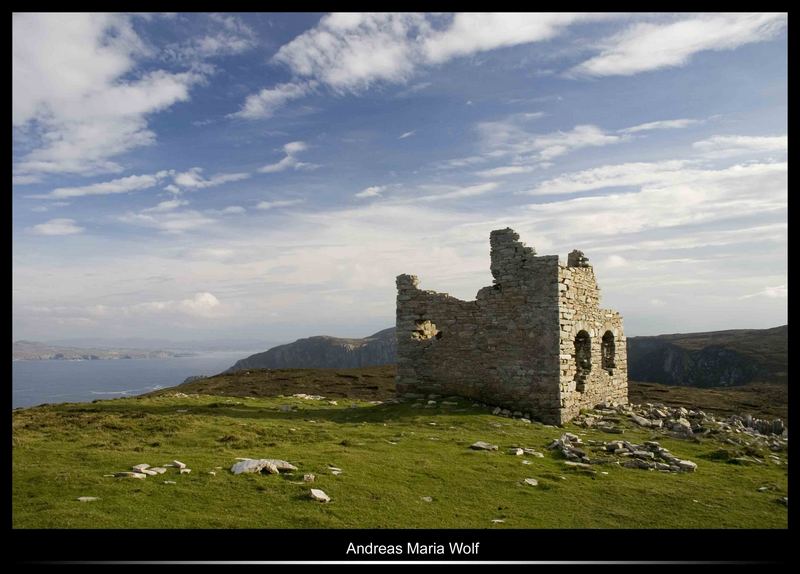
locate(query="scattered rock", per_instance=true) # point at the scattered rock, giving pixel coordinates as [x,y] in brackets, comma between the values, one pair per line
[170,482]
[498,520]
[516,451]
[687,465]
[139,467]
[427,498]
[319,495]
[157,469]
[308,478]
[272,465]
[148,472]
[480,445]
[212,473]
[130,475]
[88,498]
[178,464]
[531,481]
[185,470]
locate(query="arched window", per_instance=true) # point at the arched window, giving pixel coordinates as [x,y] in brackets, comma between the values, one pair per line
[583,359]
[608,351]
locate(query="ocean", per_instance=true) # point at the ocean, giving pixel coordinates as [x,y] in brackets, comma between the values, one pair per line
[38,382]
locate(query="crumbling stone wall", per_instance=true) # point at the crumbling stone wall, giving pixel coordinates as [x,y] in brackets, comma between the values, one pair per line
[514,346]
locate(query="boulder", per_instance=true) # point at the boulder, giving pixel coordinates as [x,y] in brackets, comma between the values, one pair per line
[272,465]
[480,445]
[319,495]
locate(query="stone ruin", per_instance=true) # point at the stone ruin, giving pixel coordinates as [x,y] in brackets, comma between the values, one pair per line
[535,341]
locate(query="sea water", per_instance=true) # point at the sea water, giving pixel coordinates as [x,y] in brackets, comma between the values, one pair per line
[59,381]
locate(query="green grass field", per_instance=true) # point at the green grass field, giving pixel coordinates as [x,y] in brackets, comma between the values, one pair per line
[392,455]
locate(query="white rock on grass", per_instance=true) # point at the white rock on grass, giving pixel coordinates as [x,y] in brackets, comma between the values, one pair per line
[427,498]
[516,451]
[130,475]
[148,472]
[272,465]
[319,495]
[170,482]
[308,478]
[531,481]
[158,469]
[480,445]
[88,498]
[185,470]
[139,467]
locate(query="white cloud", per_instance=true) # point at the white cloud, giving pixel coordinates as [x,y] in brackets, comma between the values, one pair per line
[291,149]
[59,226]
[505,170]
[201,304]
[508,137]
[775,292]
[477,32]
[74,85]
[230,36]
[646,46]
[615,261]
[460,192]
[617,175]
[660,125]
[372,191]
[407,134]
[173,222]
[264,103]
[668,199]
[351,52]
[278,203]
[121,185]
[25,179]
[233,210]
[730,146]
[168,205]
[193,179]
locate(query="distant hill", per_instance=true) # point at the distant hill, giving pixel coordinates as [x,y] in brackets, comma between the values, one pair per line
[712,359]
[326,352]
[36,351]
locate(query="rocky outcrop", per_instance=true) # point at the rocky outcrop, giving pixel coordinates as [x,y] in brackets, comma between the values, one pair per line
[326,352]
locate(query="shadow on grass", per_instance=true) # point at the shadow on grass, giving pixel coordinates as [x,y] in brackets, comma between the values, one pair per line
[353,415]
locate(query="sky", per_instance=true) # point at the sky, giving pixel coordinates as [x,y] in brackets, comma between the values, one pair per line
[267,176]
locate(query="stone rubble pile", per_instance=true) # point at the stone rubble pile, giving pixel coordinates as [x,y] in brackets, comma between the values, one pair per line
[681,422]
[648,455]
[308,397]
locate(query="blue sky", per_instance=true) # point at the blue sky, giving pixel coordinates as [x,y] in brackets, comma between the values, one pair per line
[266,176]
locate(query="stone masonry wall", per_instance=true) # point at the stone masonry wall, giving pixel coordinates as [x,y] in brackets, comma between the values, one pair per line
[514,345]
[579,311]
[501,348]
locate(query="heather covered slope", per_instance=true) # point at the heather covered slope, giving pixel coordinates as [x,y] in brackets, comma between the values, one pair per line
[714,359]
[326,352]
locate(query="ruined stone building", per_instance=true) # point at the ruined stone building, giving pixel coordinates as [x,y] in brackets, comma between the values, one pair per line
[536,341]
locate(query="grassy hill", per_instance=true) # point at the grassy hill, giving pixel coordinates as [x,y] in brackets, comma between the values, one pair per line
[392,457]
